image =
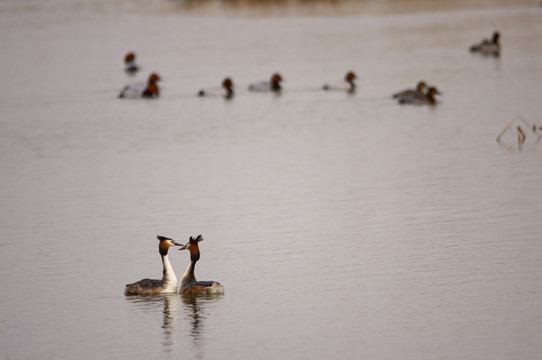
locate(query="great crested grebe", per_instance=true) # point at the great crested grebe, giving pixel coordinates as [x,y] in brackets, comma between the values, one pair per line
[130,65]
[421,99]
[420,89]
[168,283]
[272,85]
[488,47]
[189,284]
[226,89]
[142,90]
[347,85]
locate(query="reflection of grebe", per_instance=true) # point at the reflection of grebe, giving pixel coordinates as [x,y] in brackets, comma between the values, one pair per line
[168,283]
[189,284]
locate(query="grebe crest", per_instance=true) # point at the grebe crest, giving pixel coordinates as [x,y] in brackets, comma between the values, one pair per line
[189,284]
[168,283]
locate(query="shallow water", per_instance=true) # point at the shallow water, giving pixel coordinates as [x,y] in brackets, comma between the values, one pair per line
[340,225]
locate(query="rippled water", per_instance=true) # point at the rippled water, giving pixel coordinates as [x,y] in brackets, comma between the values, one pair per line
[341,226]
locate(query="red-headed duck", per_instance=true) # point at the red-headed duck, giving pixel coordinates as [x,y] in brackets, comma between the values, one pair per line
[226,89]
[130,66]
[142,90]
[347,85]
[421,99]
[272,85]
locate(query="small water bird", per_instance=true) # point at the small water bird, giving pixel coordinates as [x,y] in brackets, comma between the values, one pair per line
[226,89]
[420,89]
[347,85]
[142,90]
[189,284]
[168,283]
[272,85]
[130,66]
[488,47]
[421,99]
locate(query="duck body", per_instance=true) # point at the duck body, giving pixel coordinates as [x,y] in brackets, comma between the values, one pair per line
[347,85]
[189,284]
[225,90]
[488,47]
[142,90]
[272,85]
[420,98]
[419,90]
[168,283]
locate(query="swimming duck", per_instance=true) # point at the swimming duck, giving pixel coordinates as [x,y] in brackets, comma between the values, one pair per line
[168,283]
[148,90]
[130,66]
[420,89]
[347,85]
[189,284]
[488,47]
[226,90]
[272,85]
[420,99]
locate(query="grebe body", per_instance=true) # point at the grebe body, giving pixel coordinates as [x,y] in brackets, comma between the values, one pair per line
[189,284]
[272,85]
[347,85]
[142,90]
[226,90]
[168,283]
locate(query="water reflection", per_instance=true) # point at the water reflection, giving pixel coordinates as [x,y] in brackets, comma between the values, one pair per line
[195,310]
[169,303]
[518,132]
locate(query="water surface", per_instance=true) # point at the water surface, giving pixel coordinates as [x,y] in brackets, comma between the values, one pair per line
[342,226]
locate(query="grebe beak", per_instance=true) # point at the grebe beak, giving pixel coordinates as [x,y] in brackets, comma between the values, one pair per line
[183,247]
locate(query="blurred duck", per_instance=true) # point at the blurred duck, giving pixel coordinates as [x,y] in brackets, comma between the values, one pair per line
[226,90]
[142,90]
[272,85]
[420,98]
[189,284]
[347,85]
[488,47]
[420,89]
[130,66]
[168,284]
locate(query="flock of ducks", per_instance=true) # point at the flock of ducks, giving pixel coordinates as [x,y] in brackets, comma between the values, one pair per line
[420,95]
[169,283]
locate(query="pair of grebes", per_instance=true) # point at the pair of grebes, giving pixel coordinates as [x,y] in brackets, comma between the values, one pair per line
[169,283]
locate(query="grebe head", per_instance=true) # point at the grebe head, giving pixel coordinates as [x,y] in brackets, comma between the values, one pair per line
[192,246]
[433,91]
[350,76]
[165,243]
[129,57]
[421,86]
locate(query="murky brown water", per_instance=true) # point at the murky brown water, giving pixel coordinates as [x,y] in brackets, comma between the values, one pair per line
[342,226]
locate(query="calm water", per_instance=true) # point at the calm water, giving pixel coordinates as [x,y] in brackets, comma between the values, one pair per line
[342,226]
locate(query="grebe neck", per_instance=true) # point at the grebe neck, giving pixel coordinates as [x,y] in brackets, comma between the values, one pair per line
[189,275]
[168,274]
